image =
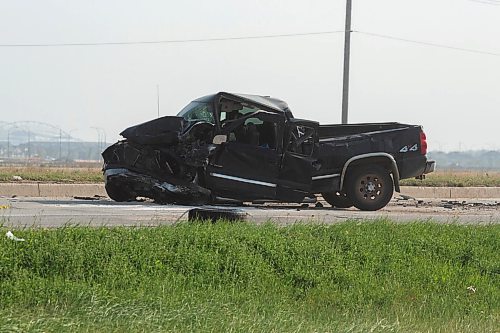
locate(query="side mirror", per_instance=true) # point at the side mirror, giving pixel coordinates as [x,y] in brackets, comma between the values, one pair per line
[218,139]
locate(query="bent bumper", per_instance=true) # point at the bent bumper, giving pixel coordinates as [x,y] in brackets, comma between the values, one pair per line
[430,166]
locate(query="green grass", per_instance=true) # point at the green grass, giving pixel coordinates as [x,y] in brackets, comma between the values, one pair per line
[52,174]
[94,175]
[350,277]
[453,178]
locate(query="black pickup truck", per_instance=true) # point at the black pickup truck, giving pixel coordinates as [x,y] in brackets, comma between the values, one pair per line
[239,147]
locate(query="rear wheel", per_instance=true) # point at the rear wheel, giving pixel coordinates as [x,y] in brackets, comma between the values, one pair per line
[338,199]
[370,187]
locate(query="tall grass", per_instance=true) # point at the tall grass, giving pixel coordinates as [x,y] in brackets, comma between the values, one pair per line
[52,174]
[456,178]
[453,178]
[352,277]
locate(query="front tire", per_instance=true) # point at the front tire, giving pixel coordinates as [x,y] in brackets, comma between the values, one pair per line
[370,187]
[119,193]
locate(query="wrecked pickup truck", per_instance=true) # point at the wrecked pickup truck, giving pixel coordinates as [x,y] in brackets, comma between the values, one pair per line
[239,147]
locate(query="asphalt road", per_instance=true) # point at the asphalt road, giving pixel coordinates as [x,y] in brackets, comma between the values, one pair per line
[55,212]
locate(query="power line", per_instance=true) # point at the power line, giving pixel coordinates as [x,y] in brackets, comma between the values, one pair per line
[180,41]
[174,41]
[427,43]
[487,2]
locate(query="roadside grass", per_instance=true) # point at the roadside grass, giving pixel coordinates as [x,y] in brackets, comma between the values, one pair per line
[52,174]
[454,178]
[94,175]
[352,277]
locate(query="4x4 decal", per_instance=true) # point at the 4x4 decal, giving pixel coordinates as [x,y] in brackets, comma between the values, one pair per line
[405,149]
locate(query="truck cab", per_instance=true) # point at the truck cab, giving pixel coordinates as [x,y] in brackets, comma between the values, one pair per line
[263,152]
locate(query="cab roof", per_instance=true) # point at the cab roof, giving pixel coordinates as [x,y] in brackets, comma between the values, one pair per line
[266,101]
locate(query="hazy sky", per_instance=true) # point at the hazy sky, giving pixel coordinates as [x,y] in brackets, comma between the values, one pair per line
[455,95]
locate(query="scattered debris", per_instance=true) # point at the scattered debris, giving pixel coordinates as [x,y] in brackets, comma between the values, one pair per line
[86,198]
[17,178]
[95,197]
[466,205]
[405,197]
[406,200]
[4,206]
[214,214]
[472,289]
[11,236]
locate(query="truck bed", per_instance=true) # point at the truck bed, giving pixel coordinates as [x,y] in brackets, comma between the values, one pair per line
[337,130]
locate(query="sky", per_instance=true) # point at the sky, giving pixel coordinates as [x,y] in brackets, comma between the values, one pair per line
[453,94]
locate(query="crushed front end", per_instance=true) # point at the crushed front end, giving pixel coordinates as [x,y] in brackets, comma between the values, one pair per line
[162,159]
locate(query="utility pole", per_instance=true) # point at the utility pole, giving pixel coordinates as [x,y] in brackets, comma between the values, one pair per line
[29,147]
[60,144]
[158,98]
[8,143]
[347,54]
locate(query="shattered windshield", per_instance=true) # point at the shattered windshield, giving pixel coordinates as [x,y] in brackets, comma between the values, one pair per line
[198,111]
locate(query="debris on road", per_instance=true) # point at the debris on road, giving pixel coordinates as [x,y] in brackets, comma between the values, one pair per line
[213,214]
[95,197]
[406,200]
[405,197]
[450,204]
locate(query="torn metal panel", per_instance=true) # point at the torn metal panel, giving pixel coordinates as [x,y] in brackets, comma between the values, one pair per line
[125,185]
[164,130]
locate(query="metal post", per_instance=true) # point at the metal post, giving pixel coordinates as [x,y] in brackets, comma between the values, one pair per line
[69,151]
[29,146]
[347,53]
[98,141]
[158,98]
[60,144]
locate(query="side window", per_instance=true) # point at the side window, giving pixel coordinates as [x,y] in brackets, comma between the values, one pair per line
[231,111]
[301,140]
[255,131]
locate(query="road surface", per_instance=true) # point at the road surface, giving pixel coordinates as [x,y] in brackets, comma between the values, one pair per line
[55,212]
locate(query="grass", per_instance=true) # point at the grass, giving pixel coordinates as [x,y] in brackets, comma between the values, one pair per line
[454,178]
[52,174]
[350,277]
[94,175]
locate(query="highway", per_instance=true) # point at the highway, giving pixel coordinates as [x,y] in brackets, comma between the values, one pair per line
[22,212]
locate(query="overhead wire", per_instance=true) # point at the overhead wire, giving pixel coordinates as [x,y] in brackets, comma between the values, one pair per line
[215,39]
[487,2]
[174,41]
[432,44]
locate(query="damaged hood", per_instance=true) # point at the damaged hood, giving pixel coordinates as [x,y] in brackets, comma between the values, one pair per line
[164,130]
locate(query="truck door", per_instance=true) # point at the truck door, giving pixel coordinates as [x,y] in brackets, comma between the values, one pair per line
[246,166]
[295,175]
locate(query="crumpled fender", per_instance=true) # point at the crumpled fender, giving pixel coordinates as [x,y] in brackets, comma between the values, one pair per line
[164,130]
